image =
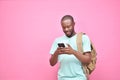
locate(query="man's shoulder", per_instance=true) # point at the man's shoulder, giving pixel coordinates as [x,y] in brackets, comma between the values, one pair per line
[85,36]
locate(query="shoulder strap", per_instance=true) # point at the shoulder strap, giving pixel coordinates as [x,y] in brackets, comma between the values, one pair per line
[79,42]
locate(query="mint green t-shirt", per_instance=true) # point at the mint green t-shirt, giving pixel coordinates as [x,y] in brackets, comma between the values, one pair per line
[70,67]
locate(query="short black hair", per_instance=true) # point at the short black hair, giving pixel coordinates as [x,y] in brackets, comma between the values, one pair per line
[67,17]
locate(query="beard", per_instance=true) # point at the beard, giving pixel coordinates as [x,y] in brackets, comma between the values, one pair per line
[69,33]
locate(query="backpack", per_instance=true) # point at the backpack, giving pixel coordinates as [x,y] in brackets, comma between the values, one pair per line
[87,68]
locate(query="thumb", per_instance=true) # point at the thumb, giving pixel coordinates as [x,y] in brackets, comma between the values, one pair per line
[68,45]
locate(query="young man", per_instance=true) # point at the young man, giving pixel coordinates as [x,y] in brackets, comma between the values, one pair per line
[70,59]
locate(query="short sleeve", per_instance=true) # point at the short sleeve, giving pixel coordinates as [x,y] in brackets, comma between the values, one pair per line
[86,43]
[54,47]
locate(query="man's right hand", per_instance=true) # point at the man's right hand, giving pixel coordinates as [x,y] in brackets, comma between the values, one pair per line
[60,50]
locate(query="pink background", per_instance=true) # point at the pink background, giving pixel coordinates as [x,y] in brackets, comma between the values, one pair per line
[28,28]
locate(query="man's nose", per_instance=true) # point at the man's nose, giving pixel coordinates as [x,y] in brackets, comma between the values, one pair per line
[66,29]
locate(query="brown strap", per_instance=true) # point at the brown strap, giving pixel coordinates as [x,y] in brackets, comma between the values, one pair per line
[80,49]
[79,42]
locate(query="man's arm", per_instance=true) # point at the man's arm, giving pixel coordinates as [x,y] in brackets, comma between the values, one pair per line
[84,58]
[54,57]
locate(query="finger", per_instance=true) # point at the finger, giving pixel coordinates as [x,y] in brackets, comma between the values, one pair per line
[68,45]
[65,50]
[60,48]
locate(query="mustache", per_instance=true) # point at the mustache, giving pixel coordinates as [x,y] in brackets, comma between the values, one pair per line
[67,31]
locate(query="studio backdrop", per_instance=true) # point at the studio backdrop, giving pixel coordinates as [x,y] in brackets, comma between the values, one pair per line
[29,27]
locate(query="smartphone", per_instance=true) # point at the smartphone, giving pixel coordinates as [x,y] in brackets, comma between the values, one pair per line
[61,45]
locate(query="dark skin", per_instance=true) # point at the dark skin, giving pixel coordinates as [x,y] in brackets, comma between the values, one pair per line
[68,29]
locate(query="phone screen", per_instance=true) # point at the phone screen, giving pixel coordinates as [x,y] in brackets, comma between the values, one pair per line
[61,45]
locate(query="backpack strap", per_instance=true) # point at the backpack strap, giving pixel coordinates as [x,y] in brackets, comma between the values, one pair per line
[80,49]
[79,42]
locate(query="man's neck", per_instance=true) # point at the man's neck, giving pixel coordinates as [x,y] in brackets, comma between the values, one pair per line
[72,34]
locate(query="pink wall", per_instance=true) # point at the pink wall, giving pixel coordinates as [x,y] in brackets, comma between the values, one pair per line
[28,28]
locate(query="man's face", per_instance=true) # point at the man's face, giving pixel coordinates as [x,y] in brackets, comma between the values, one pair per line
[68,27]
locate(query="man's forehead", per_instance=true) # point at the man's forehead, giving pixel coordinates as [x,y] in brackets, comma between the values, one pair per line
[67,21]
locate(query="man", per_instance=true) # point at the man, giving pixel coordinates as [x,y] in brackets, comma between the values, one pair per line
[70,59]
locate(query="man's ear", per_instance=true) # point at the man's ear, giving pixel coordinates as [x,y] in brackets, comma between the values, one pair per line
[73,23]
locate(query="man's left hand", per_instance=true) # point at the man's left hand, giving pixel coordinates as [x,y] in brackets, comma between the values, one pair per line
[68,50]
